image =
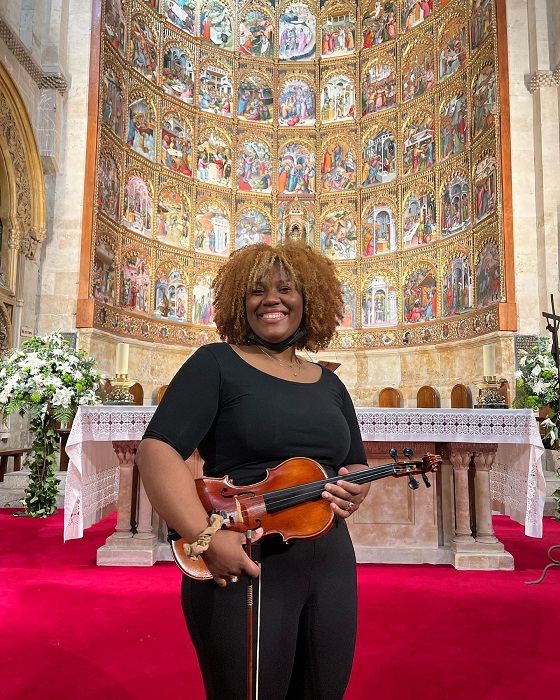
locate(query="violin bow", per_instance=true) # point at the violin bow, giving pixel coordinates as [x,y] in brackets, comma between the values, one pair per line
[248,538]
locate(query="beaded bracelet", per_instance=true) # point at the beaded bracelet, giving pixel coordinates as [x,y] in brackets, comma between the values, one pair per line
[203,541]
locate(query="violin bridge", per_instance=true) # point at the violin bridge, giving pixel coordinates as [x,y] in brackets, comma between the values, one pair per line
[238,508]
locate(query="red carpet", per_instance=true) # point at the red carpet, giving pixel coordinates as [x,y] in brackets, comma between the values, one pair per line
[70,629]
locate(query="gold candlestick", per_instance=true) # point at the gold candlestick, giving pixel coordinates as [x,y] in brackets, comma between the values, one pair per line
[488,394]
[120,394]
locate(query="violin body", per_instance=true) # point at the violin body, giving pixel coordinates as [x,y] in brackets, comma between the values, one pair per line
[243,508]
[287,502]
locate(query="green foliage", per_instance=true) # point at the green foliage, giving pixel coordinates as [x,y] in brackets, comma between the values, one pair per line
[537,387]
[47,379]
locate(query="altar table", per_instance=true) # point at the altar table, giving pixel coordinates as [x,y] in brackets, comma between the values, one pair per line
[492,462]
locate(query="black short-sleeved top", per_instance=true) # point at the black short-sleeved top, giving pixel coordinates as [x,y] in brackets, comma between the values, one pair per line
[244,421]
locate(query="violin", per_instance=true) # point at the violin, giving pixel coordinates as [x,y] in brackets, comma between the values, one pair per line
[287,502]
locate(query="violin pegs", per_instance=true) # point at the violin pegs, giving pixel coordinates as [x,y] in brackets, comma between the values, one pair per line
[407,452]
[426,481]
[412,482]
[394,454]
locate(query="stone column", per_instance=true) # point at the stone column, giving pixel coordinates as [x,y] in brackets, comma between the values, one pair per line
[483,461]
[126,452]
[144,530]
[460,457]
[123,548]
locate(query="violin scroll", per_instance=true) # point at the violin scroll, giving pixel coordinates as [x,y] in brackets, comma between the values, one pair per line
[429,463]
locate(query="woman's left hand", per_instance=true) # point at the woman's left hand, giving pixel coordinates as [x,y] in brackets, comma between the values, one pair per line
[345,497]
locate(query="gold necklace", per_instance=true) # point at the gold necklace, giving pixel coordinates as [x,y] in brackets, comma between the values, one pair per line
[287,365]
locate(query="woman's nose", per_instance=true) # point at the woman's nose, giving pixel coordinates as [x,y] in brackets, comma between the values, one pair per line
[271,296]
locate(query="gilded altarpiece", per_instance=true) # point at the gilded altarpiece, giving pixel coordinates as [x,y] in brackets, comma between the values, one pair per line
[371,130]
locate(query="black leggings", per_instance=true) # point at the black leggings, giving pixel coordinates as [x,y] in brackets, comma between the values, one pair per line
[308,622]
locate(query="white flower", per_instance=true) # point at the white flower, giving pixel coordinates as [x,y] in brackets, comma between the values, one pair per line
[519,374]
[547,423]
[535,372]
[63,397]
[539,387]
[523,361]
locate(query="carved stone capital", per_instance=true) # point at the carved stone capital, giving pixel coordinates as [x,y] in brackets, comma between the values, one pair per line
[543,78]
[484,460]
[39,233]
[460,459]
[126,451]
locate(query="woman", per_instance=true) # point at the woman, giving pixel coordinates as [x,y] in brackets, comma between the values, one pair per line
[248,405]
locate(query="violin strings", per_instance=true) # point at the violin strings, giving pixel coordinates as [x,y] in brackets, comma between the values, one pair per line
[283,497]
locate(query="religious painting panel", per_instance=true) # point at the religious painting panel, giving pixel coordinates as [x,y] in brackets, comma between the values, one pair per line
[455,206]
[379,22]
[481,21]
[338,34]
[296,169]
[115,25]
[108,186]
[252,226]
[256,31]
[104,271]
[141,126]
[112,113]
[379,157]
[380,305]
[420,296]
[212,229]
[170,299]
[254,167]
[298,33]
[485,187]
[485,105]
[135,282]
[202,301]
[214,159]
[417,69]
[181,13]
[488,275]
[144,48]
[457,286]
[295,219]
[452,49]
[339,233]
[379,228]
[255,99]
[349,307]
[338,166]
[378,87]
[216,24]
[338,99]
[176,144]
[419,217]
[177,74]
[453,126]
[296,103]
[138,205]
[414,12]
[173,218]
[215,90]
[418,144]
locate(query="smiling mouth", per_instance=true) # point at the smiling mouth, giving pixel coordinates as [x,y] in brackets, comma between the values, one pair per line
[273,316]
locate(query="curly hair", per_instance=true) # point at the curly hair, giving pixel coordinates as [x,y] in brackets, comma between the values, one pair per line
[312,272]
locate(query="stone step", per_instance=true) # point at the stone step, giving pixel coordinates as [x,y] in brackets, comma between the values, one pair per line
[12,490]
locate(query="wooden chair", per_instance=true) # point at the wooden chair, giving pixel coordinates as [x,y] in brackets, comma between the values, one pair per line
[461,397]
[427,397]
[503,390]
[390,398]
[138,393]
[161,392]
[15,452]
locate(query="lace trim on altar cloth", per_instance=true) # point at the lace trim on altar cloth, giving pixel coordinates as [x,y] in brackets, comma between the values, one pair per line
[111,423]
[449,425]
[99,490]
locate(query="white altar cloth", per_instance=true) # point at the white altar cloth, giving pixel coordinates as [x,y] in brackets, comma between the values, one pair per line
[517,479]
[518,482]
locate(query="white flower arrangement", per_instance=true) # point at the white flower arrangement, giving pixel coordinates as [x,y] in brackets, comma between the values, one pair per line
[46,373]
[537,387]
[48,379]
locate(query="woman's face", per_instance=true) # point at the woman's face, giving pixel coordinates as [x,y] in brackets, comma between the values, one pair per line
[275,306]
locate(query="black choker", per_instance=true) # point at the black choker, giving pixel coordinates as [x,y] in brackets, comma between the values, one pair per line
[254,339]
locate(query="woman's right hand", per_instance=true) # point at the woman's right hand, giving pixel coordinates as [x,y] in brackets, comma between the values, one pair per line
[226,558]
